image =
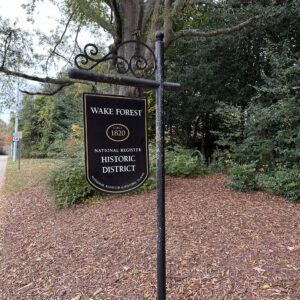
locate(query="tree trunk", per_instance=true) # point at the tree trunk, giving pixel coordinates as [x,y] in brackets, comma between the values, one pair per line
[132,20]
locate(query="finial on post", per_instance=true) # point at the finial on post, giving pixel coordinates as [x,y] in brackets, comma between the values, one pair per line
[159,36]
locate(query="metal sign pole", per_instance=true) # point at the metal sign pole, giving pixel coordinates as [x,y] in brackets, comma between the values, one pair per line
[87,61]
[160,170]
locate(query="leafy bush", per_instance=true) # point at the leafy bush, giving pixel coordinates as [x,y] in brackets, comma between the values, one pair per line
[243,177]
[282,181]
[184,162]
[68,184]
[221,161]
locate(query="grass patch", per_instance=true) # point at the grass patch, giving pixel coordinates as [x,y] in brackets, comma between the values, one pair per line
[32,173]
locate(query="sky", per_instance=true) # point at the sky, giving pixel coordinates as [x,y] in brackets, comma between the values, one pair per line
[45,19]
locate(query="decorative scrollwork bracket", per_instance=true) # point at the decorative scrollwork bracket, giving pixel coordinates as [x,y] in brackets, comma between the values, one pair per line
[135,65]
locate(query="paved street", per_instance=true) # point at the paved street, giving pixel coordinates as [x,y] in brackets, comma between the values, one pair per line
[3,161]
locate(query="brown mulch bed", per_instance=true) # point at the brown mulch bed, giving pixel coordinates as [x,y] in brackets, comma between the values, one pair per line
[221,244]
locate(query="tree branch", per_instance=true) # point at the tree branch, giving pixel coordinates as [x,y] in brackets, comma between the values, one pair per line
[76,44]
[37,78]
[60,40]
[46,93]
[67,60]
[6,47]
[221,31]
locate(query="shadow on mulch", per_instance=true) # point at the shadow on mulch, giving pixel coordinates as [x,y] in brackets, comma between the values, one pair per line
[221,244]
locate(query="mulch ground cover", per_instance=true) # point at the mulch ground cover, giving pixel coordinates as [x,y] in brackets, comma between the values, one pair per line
[221,244]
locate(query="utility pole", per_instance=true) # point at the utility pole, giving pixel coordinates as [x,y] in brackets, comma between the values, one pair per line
[15,140]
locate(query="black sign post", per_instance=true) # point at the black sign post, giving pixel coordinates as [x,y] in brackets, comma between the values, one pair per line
[136,63]
[160,169]
[116,151]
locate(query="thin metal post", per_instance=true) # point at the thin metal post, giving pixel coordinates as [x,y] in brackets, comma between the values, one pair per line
[15,142]
[19,155]
[160,169]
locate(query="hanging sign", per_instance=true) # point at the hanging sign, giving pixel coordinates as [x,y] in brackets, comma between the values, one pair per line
[116,149]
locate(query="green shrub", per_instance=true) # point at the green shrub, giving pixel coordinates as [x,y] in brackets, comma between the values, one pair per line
[68,184]
[282,181]
[243,177]
[184,162]
[221,161]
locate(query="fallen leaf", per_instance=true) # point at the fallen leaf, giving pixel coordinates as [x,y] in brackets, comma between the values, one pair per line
[266,286]
[259,270]
[99,291]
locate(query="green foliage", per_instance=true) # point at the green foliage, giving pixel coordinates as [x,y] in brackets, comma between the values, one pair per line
[282,181]
[68,184]
[217,77]
[46,123]
[243,177]
[266,154]
[221,161]
[184,162]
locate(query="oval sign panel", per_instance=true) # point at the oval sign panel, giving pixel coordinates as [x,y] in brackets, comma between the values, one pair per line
[117,132]
[116,149]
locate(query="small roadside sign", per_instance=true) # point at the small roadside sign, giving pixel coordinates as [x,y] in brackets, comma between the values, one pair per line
[18,135]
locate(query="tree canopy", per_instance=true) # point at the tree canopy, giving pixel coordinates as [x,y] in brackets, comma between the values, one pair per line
[122,20]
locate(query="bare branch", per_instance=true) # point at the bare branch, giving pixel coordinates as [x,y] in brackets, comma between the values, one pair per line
[6,47]
[221,31]
[36,78]
[60,40]
[64,58]
[76,39]
[51,93]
